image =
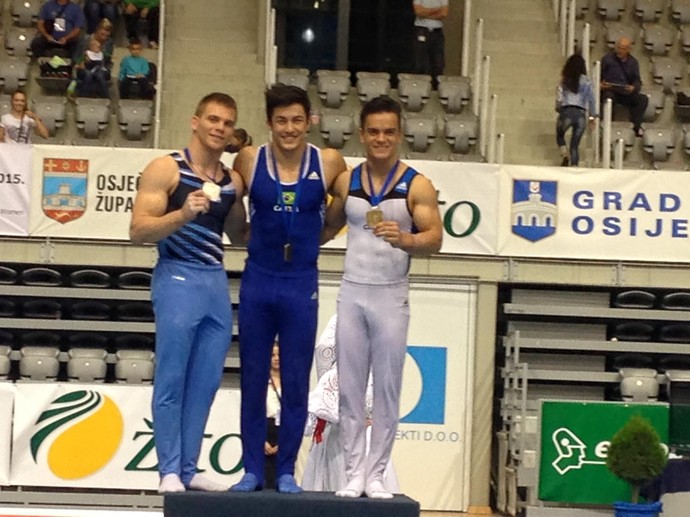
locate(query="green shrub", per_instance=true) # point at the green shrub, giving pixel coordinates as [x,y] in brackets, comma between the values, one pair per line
[635,454]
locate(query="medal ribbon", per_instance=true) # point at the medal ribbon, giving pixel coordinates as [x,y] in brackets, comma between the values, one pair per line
[375,198]
[289,218]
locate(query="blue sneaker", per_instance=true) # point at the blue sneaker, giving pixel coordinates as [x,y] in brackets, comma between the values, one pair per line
[288,485]
[248,483]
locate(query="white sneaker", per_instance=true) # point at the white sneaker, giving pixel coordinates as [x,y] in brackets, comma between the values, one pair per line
[375,490]
[199,482]
[354,489]
[170,483]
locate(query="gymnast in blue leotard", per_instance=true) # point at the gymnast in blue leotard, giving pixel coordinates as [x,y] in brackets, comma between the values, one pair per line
[287,181]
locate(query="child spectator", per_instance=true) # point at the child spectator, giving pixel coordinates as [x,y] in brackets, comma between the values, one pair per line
[135,70]
[92,73]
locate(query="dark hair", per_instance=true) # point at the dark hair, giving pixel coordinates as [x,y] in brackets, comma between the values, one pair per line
[283,95]
[134,41]
[219,98]
[243,137]
[572,70]
[381,104]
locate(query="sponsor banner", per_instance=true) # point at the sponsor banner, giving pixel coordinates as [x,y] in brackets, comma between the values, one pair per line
[15,188]
[594,214]
[468,200]
[433,436]
[575,437]
[100,436]
[85,192]
[6,403]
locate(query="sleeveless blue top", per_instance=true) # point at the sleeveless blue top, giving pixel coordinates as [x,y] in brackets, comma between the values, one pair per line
[269,225]
[199,241]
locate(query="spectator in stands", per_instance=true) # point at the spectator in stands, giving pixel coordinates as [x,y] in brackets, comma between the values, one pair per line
[96,10]
[621,82]
[99,83]
[184,200]
[429,41]
[574,98]
[272,417]
[17,125]
[59,24]
[92,74]
[135,70]
[148,10]
[239,140]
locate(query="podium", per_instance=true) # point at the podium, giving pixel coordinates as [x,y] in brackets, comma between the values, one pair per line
[269,503]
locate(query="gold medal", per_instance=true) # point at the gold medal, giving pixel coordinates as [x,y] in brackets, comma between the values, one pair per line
[374,217]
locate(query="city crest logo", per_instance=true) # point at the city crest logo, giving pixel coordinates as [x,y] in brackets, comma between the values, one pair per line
[82,431]
[534,211]
[64,188]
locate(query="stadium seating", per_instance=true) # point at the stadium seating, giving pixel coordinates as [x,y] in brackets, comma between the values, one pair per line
[333,87]
[461,132]
[649,10]
[86,364]
[134,366]
[611,9]
[5,363]
[92,116]
[39,363]
[89,278]
[25,12]
[294,76]
[135,117]
[372,84]
[659,142]
[52,111]
[419,131]
[336,128]
[14,72]
[414,90]
[18,41]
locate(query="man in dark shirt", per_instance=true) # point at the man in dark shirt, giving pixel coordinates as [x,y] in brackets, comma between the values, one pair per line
[620,81]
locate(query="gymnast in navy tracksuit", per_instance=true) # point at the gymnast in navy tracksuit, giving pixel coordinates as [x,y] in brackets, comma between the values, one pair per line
[183,203]
[287,182]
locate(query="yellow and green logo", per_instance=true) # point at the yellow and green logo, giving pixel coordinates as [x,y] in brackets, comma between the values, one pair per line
[90,428]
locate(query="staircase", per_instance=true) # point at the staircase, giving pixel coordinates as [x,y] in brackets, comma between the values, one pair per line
[522,39]
[214,48]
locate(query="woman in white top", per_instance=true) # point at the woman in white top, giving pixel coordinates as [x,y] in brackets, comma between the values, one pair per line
[17,125]
[272,418]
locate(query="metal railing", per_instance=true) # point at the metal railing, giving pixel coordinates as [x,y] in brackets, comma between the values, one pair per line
[159,79]
[270,48]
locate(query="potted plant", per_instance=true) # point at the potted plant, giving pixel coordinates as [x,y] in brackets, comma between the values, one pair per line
[636,456]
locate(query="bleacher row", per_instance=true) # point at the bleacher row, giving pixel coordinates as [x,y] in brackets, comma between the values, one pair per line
[429,115]
[97,328]
[629,345]
[660,32]
[91,121]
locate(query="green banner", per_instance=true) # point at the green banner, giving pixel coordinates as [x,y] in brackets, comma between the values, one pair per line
[574,442]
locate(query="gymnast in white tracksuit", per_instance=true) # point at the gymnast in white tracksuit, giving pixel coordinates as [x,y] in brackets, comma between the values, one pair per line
[392,212]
